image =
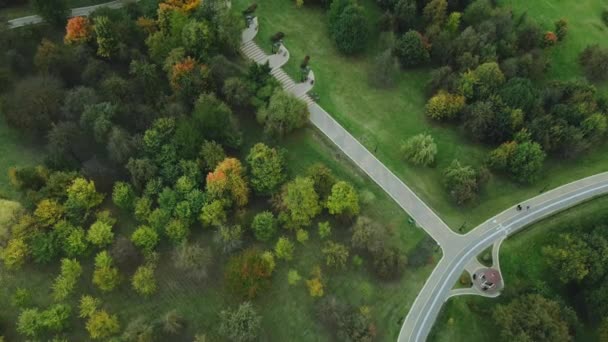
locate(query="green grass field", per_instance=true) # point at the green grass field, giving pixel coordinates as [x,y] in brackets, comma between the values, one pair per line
[14,151]
[21,11]
[585,28]
[381,119]
[522,263]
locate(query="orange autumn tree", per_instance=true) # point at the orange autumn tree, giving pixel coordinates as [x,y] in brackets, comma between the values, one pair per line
[180,70]
[78,30]
[180,5]
[228,181]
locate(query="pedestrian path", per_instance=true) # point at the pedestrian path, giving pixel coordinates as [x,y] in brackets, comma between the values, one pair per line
[74,12]
[378,172]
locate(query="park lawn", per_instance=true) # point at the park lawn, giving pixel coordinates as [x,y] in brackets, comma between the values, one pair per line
[14,151]
[585,28]
[523,266]
[382,118]
[13,12]
[289,312]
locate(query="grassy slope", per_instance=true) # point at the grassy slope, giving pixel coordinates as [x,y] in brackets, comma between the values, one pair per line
[381,119]
[21,11]
[523,264]
[585,28]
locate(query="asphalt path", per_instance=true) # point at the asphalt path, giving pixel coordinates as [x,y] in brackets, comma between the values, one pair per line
[436,290]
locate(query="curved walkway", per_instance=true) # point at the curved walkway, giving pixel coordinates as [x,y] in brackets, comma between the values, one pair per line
[401,193]
[436,290]
[74,12]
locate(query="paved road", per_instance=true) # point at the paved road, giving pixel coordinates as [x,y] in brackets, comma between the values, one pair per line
[75,12]
[435,292]
[401,193]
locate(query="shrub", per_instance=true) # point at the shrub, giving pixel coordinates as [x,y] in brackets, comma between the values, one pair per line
[420,150]
[561,29]
[445,106]
[411,50]
[143,280]
[594,60]
[383,71]
[240,325]
[264,226]
[350,31]
[461,182]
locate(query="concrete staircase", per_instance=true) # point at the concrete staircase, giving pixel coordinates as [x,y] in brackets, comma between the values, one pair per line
[252,51]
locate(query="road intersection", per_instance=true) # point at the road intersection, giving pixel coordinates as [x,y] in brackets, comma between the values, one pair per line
[459,251]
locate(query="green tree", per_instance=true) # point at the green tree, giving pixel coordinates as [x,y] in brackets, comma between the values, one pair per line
[569,257]
[264,226]
[301,236]
[88,306]
[435,11]
[15,253]
[197,38]
[410,50]
[82,197]
[240,325]
[324,230]
[210,155]
[123,196]
[336,254]
[248,273]
[420,149]
[343,200]
[489,79]
[177,231]
[293,277]
[102,325]
[97,119]
[120,145]
[105,275]
[283,114]
[461,182]
[100,234]
[107,40]
[323,179]
[284,249]
[213,214]
[29,322]
[142,208]
[405,14]
[351,30]
[48,212]
[522,158]
[214,119]
[34,104]
[143,280]
[299,203]
[145,238]
[445,106]
[55,12]
[65,283]
[532,318]
[267,167]
[237,91]
[594,60]
[75,241]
